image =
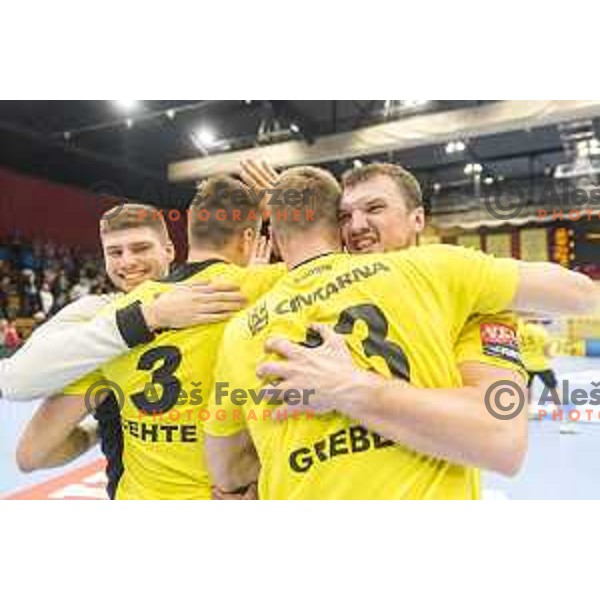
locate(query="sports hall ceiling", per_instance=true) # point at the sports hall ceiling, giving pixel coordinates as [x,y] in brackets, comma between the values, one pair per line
[83,142]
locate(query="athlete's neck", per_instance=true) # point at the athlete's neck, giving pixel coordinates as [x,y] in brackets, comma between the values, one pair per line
[202,254]
[298,252]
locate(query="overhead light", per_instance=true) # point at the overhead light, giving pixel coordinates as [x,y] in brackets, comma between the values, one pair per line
[457,146]
[248,101]
[129,123]
[170,113]
[582,149]
[488,180]
[67,135]
[206,137]
[392,107]
[473,169]
[203,138]
[294,128]
[357,163]
[126,105]
[437,187]
[414,103]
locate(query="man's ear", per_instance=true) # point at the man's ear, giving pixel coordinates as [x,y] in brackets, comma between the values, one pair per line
[246,242]
[249,236]
[419,219]
[170,251]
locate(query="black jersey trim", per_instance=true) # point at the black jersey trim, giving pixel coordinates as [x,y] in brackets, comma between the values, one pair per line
[187,270]
[132,325]
[309,260]
[110,433]
[130,319]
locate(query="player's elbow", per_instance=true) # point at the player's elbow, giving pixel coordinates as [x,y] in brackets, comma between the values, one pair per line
[26,457]
[510,464]
[510,453]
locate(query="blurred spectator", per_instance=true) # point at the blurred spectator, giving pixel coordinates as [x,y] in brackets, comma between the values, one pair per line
[37,279]
[47,299]
[8,290]
[9,338]
[60,290]
[4,285]
[61,283]
[30,297]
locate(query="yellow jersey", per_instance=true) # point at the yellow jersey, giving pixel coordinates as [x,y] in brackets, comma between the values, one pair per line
[161,390]
[534,339]
[493,340]
[402,314]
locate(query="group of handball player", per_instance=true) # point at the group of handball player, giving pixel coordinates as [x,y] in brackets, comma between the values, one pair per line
[332,357]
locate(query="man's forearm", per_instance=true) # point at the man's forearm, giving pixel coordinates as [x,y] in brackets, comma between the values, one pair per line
[55,434]
[448,423]
[550,288]
[77,341]
[79,441]
[52,361]
[65,352]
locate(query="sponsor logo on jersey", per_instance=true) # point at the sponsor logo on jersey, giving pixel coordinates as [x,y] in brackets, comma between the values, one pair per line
[258,318]
[500,341]
[335,286]
[352,440]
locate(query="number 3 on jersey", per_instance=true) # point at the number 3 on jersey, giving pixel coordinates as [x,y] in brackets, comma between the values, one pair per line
[375,344]
[163,376]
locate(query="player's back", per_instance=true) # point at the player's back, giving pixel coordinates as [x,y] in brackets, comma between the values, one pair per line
[399,321]
[165,384]
[382,308]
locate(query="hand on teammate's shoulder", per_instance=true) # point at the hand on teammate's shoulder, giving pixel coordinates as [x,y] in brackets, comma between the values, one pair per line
[198,303]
